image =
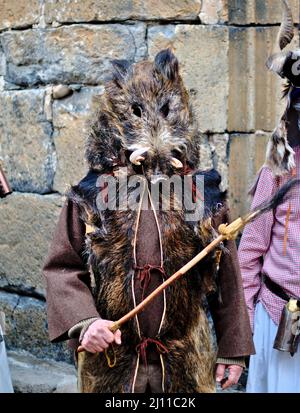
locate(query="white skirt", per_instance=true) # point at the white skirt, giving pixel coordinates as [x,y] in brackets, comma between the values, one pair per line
[5,380]
[270,370]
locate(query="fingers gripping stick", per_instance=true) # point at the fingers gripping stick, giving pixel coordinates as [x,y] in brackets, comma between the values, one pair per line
[110,361]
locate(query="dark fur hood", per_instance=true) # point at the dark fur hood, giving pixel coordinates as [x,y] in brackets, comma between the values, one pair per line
[145,108]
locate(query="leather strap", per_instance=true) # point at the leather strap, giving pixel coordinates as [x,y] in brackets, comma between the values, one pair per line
[275,288]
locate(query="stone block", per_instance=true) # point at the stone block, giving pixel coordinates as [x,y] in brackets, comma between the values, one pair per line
[26,145]
[243,12]
[203,55]
[33,375]
[19,14]
[26,327]
[219,146]
[214,11]
[246,156]
[26,228]
[70,122]
[70,54]
[101,10]
[254,93]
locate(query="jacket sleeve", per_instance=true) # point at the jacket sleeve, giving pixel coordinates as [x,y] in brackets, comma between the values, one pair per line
[69,299]
[255,241]
[227,306]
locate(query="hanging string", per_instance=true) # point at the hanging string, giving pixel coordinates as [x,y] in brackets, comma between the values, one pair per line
[111,361]
[287,219]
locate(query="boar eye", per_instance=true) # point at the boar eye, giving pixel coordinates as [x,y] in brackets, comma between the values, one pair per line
[136,109]
[164,110]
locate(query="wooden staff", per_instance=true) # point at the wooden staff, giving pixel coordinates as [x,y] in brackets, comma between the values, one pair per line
[226,232]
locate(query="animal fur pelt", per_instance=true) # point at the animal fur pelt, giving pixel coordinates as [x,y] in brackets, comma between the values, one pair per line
[280,155]
[145,124]
[112,272]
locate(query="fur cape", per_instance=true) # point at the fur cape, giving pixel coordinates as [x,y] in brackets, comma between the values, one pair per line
[146,108]
[189,364]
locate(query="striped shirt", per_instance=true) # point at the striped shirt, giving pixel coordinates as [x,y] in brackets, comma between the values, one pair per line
[262,247]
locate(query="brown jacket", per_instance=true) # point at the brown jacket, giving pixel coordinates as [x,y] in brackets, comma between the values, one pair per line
[69,298]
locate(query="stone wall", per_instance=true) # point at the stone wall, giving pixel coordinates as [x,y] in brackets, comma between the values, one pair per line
[222,46]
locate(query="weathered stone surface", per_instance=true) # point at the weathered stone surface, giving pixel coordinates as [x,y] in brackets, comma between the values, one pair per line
[2,68]
[26,146]
[26,327]
[214,11]
[258,11]
[254,93]
[205,153]
[2,62]
[32,375]
[72,54]
[7,85]
[203,54]
[219,146]
[102,10]
[26,229]
[16,13]
[247,155]
[213,154]
[70,117]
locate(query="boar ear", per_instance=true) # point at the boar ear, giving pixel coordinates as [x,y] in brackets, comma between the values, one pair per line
[167,64]
[121,69]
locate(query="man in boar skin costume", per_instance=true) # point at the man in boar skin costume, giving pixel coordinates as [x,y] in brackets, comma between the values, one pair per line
[145,124]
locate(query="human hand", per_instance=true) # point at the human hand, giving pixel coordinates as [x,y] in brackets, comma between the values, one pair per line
[235,372]
[98,336]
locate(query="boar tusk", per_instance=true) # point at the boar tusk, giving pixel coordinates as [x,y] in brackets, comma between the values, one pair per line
[136,157]
[176,163]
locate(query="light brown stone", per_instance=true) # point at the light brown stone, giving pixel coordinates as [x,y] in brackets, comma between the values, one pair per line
[245,12]
[254,93]
[18,13]
[203,55]
[219,145]
[213,154]
[61,91]
[259,11]
[70,121]
[102,10]
[26,229]
[26,147]
[205,154]
[70,54]
[214,11]
[246,156]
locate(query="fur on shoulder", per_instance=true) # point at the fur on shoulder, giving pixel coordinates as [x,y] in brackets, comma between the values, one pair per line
[86,191]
